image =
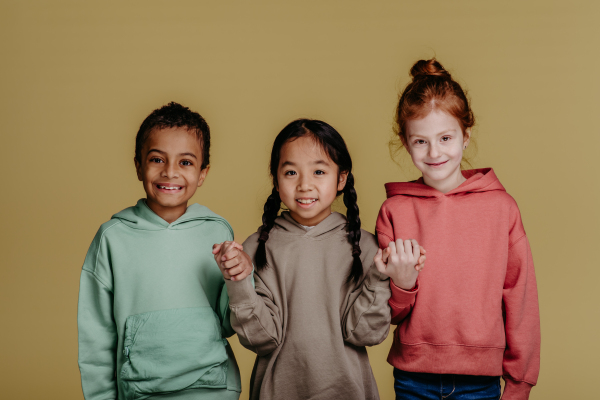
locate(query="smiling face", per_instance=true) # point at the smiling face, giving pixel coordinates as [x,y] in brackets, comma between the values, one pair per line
[170,170]
[308,180]
[436,144]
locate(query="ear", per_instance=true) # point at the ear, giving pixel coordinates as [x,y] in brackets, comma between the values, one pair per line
[466,137]
[342,181]
[203,174]
[138,169]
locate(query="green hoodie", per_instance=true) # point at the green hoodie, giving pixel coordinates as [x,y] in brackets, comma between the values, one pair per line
[153,309]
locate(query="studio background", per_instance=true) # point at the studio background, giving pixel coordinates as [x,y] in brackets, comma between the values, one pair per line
[78,78]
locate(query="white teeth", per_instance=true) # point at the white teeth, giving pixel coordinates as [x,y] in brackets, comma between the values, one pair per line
[169,187]
[306,201]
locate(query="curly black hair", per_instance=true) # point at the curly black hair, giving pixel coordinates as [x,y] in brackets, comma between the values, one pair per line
[170,116]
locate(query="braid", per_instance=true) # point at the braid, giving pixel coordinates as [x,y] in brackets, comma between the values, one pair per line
[353,228]
[271,210]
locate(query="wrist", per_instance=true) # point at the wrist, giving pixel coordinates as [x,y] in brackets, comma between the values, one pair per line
[404,285]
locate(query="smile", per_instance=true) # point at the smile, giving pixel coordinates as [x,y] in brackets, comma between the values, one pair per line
[306,201]
[437,164]
[169,187]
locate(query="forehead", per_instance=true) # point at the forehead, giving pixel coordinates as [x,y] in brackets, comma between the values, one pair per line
[177,139]
[434,123]
[304,149]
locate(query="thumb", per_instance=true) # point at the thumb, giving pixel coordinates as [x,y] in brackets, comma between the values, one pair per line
[379,264]
[216,248]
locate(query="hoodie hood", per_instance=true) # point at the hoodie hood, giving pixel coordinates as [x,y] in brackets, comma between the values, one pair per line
[142,217]
[478,180]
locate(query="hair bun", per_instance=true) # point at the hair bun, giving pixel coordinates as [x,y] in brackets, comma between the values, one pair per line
[425,68]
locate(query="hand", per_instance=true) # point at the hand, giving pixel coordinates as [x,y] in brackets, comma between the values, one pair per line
[233,262]
[401,261]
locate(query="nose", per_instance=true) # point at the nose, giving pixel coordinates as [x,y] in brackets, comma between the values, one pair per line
[434,152]
[170,170]
[304,183]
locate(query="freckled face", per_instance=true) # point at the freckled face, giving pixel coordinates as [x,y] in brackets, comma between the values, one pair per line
[307,180]
[436,144]
[170,170]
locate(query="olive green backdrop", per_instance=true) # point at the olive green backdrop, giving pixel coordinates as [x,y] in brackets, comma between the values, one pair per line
[78,78]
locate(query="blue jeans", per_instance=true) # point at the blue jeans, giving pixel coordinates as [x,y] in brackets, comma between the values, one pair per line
[421,386]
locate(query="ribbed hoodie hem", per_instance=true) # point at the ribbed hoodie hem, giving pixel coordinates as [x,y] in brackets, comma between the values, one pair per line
[447,359]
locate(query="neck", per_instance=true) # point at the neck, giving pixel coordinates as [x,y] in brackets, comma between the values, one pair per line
[169,214]
[448,184]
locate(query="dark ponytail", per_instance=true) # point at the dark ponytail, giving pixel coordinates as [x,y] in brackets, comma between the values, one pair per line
[271,210]
[335,147]
[353,228]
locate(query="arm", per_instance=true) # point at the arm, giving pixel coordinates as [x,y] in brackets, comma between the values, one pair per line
[96,328]
[255,316]
[224,313]
[521,361]
[401,301]
[366,321]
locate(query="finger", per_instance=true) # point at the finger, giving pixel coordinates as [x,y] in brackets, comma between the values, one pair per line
[393,248]
[237,245]
[416,249]
[408,247]
[216,248]
[385,254]
[378,260]
[419,267]
[231,263]
[238,269]
[423,250]
[243,275]
[232,252]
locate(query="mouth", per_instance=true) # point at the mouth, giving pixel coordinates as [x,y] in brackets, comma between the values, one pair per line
[168,188]
[306,202]
[437,164]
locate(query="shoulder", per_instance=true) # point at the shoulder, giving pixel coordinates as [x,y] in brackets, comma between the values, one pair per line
[368,246]
[251,244]
[216,224]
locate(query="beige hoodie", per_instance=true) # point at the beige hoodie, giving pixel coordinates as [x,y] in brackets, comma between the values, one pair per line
[307,325]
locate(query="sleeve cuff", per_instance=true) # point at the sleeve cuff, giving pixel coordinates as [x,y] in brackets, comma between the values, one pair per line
[514,390]
[403,298]
[240,292]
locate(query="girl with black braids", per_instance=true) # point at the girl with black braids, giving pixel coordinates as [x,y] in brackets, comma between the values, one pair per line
[319,297]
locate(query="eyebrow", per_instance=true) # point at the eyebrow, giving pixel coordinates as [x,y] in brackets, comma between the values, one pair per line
[180,154]
[437,134]
[291,164]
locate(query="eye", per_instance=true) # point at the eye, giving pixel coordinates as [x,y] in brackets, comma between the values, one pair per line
[156,160]
[290,173]
[419,141]
[319,172]
[446,138]
[186,163]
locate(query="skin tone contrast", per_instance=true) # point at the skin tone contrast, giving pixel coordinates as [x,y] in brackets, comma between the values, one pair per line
[435,144]
[170,170]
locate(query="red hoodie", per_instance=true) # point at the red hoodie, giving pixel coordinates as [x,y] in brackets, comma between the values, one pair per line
[474,310]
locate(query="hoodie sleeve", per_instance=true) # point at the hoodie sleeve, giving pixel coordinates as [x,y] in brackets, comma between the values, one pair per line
[521,361]
[402,301]
[366,321]
[254,315]
[97,331]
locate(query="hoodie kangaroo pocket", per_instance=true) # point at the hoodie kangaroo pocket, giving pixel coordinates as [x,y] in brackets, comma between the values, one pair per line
[171,350]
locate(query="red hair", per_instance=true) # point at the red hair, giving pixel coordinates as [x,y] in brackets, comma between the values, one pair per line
[432,88]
